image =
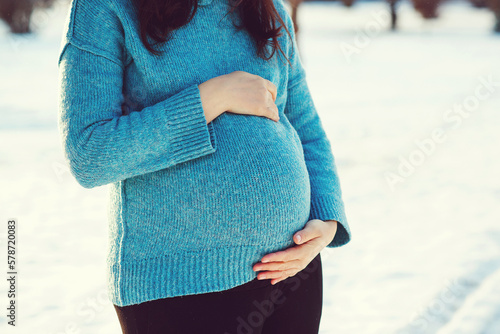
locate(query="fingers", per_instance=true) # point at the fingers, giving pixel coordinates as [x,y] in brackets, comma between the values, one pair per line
[278,271]
[289,254]
[312,230]
[278,266]
[277,274]
[276,280]
[273,91]
[261,95]
[286,269]
[273,112]
[271,88]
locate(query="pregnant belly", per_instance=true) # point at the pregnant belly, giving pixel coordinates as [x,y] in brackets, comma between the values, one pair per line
[253,190]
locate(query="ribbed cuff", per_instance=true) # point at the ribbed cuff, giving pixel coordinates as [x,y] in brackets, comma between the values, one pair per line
[328,208]
[187,127]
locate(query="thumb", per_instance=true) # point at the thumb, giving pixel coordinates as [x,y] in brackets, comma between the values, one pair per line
[304,235]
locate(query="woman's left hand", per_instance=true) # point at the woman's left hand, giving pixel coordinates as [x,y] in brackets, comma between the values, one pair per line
[315,236]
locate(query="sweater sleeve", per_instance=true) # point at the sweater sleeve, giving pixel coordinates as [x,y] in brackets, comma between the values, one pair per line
[102,144]
[326,195]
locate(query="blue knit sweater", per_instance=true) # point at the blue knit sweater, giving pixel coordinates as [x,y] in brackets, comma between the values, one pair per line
[192,206]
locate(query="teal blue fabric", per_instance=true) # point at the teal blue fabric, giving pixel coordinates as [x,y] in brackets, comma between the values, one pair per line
[192,206]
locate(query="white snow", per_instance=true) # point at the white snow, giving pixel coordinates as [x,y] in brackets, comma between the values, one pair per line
[425,254]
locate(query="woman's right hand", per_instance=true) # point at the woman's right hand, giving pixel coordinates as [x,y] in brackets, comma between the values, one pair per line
[239,92]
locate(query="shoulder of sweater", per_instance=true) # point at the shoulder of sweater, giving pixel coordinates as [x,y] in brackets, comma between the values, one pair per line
[284,12]
[289,42]
[95,26]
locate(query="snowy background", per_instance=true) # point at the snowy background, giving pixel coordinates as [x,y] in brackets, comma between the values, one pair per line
[414,126]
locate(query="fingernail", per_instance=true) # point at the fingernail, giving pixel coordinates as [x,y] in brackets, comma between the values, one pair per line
[265,260]
[298,237]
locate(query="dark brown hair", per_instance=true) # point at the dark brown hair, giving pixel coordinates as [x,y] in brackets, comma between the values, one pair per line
[157,18]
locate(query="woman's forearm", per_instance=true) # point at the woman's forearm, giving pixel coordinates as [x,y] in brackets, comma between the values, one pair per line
[213,101]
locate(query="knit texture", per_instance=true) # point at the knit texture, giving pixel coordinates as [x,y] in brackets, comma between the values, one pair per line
[192,206]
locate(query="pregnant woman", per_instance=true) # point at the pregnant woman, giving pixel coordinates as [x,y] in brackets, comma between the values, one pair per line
[223,188]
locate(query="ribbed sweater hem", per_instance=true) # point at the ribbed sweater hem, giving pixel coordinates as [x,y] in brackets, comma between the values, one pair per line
[183,273]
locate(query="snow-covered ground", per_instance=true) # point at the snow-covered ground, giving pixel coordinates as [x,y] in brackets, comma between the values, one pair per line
[413,117]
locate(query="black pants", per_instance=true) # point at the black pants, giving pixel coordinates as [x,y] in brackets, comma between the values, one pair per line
[291,306]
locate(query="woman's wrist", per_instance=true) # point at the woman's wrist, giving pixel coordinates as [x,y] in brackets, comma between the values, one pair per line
[212,98]
[332,224]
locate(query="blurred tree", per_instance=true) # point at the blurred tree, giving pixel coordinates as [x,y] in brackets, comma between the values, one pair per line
[295,5]
[394,16]
[479,3]
[347,3]
[494,5]
[17,13]
[427,8]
